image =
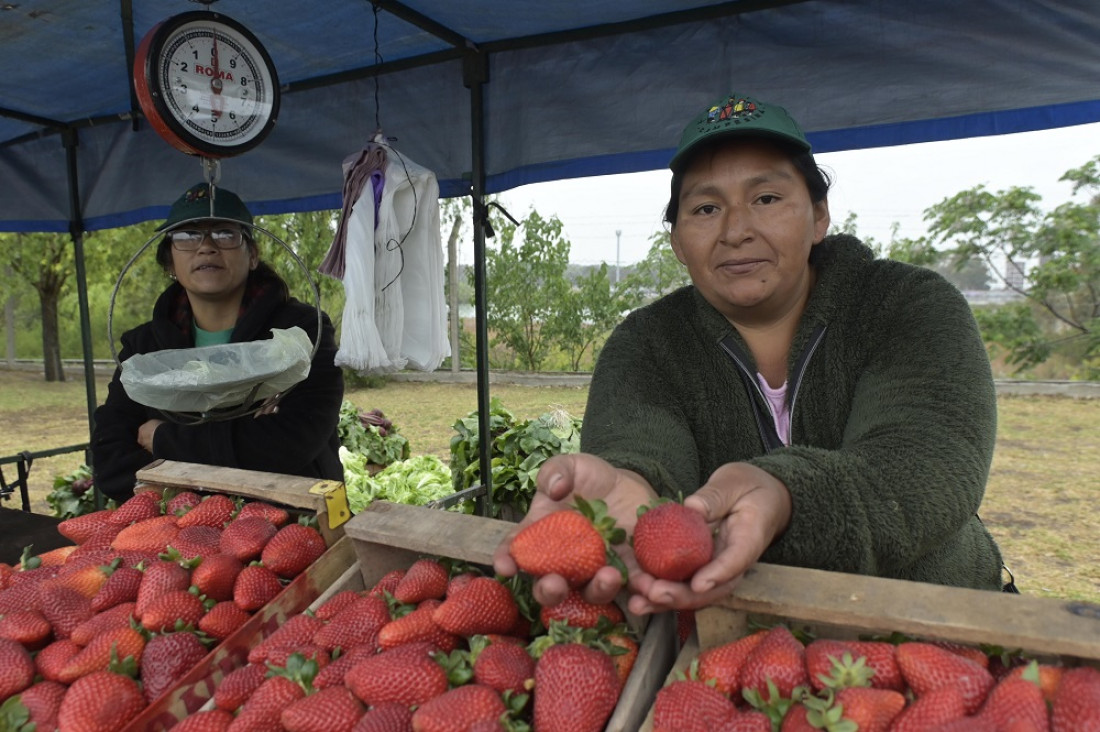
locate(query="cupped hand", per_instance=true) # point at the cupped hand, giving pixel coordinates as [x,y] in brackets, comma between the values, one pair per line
[561,478]
[145,433]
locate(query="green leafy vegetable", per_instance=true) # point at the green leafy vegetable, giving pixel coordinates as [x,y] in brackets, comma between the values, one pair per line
[72,494]
[415,481]
[371,434]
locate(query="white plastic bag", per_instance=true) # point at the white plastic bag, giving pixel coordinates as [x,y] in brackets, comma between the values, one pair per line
[213,377]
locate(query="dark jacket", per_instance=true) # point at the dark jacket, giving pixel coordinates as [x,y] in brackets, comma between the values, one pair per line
[300,439]
[892,427]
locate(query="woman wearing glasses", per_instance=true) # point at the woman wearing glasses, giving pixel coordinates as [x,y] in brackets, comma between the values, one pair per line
[221,293]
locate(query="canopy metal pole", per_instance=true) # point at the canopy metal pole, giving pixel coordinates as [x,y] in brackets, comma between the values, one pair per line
[475,71]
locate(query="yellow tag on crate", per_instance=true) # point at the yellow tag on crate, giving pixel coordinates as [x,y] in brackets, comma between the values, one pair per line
[336,501]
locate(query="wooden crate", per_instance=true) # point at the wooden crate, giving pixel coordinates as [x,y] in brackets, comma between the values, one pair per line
[837,605]
[390,536]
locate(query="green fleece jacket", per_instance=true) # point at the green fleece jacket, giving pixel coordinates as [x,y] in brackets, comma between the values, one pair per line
[893,417]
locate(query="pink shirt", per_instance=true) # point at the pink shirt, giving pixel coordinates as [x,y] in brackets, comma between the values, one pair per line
[777,404]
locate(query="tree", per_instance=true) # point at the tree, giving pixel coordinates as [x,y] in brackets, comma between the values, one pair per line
[308,235]
[525,286]
[589,310]
[1052,260]
[658,274]
[44,261]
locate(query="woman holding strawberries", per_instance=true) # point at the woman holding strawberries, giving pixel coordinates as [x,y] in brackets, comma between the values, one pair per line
[819,407]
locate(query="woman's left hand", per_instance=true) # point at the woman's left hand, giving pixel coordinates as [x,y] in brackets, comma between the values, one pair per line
[145,433]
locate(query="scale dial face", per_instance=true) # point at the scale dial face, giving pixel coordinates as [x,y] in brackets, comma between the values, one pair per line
[206,84]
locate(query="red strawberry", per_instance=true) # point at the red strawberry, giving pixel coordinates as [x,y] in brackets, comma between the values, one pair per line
[483,606]
[141,506]
[19,597]
[274,514]
[386,717]
[26,627]
[16,668]
[262,710]
[577,688]
[778,658]
[238,685]
[690,706]
[748,720]
[43,701]
[1016,704]
[505,666]
[356,625]
[293,548]
[624,660]
[256,586]
[333,673]
[1077,703]
[160,578]
[211,720]
[977,655]
[102,701]
[172,611]
[197,541]
[926,667]
[119,616]
[871,709]
[672,541]
[215,510]
[333,605]
[85,580]
[1049,677]
[456,583]
[930,711]
[457,709]
[838,664]
[115,643]
[54,657]
[152,535]
[81,528]
[410,677]
[425,579]
[102,537]
[120,588]
[329,710]
[280,655]
[215,575]
[181,503]
[418,626]
[388,582]
[298,630]
[579,613]
[64,608]
[245,538]
[167,659]
[721,665]
[222,620]
[566,543]
[55,557]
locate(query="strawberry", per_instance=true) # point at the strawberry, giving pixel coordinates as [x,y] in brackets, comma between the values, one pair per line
[333,673]
[387,583]
[483,606]
[425,579]
[926,666]
[930,711]
[55,557]
[871,709]
[386,717]
[64,608]
[1016,704]
[329,710]
[120,588]
[721,665]
[280,655]
[245,538]
[50,660]
[181,503]
[274,514]
[167,659]
[173,611]
[579,613]
[331,607]
[160,578]
[1077,703]
[977,655]
[238,685]
[577,688]
[838,664]
[797,719]
[215,575]
[456,583]
[504,667]
[26,627]
[671,541]
[210,720]
[298,630]
[152,535]
[418,626]
[81,528]
[102,537]
[85,580]
[222,620]
[689,706]
[19,597]
[16,668]
[356,625]
[119,616]
[116,644]
[778,658]
[262,710]
[407,675]
[569,543]
[624,660]
[102,701]
[43,701]
[197,541]
[256,586]
[1048,676]
[293,548]
[141,506]
[457,709]
[215,510]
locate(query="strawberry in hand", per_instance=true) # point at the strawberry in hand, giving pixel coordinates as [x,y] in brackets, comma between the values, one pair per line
[572,544]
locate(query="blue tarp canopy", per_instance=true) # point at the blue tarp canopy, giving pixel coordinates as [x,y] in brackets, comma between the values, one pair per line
[510,92]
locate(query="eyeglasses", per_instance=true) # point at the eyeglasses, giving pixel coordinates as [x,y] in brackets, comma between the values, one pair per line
[189,240]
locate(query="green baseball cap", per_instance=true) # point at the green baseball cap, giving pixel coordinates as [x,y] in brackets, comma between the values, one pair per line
[738,115]
[195,203]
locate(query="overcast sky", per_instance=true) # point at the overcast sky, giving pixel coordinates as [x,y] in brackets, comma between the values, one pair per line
[881,185]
